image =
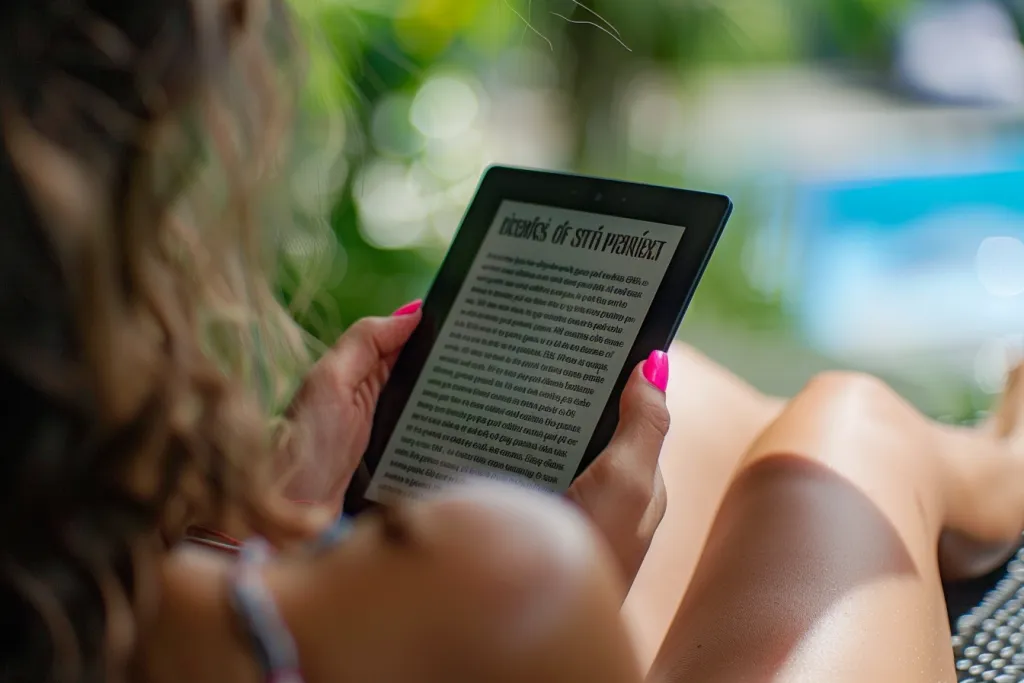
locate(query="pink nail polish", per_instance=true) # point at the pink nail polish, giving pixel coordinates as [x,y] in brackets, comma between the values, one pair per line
[408,309]
[656,370]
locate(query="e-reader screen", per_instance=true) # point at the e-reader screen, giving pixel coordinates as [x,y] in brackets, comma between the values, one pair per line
[526,360]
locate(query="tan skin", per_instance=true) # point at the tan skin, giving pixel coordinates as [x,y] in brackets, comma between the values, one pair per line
[802,540]
[801,543]
[841,514]
[452,551]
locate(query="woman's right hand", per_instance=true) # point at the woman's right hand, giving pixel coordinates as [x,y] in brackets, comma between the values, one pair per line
[622,492]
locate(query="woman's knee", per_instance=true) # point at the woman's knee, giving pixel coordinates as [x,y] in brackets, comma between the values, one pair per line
[715,415]
[864,432]
[864,392]
[855,401]
[847,419]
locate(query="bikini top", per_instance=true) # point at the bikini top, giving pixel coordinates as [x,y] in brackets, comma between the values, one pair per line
[272,643]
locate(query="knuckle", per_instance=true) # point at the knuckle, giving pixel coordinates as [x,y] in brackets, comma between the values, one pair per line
[651,421]
[363,329]
[647,414]
[620,480]
[637,491]
[660,418]
[364,333]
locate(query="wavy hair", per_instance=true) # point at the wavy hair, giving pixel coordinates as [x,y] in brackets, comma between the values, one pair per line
[141,345]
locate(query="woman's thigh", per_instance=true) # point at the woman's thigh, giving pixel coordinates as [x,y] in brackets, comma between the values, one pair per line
[715,417]
[821,562]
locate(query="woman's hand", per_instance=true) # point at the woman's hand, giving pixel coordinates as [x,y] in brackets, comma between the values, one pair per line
[332,414]
[622,492]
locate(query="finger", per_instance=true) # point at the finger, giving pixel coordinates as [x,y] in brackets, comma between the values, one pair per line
[372,340]
[643,419]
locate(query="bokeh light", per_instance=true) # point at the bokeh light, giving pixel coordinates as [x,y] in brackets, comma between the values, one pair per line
[1000,263]
[445,108]
[995,359]
[392,206]
[862,142]
[391,129]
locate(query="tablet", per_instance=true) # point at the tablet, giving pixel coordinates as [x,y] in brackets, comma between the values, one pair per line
[555,288]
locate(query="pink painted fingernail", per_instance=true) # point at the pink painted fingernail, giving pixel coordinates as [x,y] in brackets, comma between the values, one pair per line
[408,309]
[656,370]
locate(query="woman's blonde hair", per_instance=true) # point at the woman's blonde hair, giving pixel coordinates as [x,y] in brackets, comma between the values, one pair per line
[142,345]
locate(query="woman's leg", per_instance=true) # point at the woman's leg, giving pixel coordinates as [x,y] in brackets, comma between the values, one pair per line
[715,418]
[822,561]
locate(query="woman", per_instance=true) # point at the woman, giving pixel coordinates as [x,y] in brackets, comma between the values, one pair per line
[128,379]
[139,330]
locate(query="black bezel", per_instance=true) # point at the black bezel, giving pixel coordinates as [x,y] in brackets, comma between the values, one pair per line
[703,215]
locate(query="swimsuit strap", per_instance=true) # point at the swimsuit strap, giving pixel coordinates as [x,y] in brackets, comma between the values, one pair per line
[272,641]
[334,536]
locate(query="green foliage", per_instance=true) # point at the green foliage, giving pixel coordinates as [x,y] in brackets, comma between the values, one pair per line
[861,29]
[364,53]
[368,55]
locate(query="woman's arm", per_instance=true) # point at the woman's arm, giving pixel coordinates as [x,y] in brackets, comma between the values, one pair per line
[487,584]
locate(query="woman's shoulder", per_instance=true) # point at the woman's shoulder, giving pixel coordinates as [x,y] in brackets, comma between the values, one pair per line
[464,583]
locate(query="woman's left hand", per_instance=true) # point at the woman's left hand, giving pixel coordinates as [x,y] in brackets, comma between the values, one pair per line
[332,414]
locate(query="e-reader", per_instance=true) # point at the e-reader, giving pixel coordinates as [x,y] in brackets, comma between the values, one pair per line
[555,288]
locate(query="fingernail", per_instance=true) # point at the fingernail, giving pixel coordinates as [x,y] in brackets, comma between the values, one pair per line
[408,309]
[656,370]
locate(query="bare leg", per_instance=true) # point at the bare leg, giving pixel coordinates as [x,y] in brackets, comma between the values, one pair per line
[822,561]
[715,418]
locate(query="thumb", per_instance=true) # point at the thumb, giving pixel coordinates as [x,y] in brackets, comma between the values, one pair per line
[369,341]
[643,419]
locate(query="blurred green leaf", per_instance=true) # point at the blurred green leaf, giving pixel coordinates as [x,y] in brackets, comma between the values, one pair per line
[369,58]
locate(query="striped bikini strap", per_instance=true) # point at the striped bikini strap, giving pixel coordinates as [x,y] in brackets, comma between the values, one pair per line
[272,641]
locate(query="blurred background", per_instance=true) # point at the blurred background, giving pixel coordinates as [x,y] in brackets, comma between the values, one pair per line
[874,149]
